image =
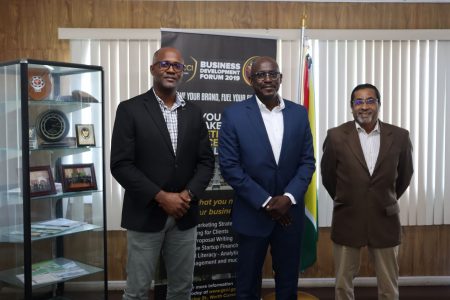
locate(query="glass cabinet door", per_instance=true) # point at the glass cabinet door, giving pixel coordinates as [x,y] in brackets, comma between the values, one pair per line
[56,226]
[11,183]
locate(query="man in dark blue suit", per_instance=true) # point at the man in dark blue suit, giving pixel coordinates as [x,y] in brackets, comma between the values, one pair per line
[266,154]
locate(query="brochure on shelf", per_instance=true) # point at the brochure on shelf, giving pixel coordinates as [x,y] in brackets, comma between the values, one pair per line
[52,271]
[61,222]
[53,226]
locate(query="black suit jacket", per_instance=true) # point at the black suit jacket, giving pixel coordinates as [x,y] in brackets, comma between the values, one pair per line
[143,161]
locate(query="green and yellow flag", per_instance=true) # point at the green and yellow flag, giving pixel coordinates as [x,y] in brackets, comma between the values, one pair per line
[310,235]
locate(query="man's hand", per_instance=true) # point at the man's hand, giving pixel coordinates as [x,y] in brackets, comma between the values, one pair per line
[285,220]
[278,208]
[174,204]
[185,196]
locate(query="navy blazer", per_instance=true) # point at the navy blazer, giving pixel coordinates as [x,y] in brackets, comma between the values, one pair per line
[248,165]
[143,160]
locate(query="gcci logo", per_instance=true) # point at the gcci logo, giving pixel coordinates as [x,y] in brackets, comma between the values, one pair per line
[190,69]
[247,69]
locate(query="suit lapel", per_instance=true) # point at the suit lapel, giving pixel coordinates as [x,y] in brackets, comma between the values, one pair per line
[355,144]
[152,106]
[386,140]
[182,119]
[255,117]
[286,130]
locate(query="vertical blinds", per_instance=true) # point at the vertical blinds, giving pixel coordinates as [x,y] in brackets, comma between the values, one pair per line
[414,81]
[413,77]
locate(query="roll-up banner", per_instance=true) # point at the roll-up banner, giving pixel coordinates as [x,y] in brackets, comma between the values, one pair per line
[216,75]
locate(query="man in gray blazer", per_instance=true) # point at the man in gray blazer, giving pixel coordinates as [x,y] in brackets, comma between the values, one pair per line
[366,167]
[162,157]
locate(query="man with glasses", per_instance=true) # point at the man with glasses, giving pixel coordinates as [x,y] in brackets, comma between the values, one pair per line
[366,166]
[162,157]
[266,154]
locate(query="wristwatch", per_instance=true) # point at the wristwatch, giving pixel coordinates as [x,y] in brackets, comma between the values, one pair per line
[191,194]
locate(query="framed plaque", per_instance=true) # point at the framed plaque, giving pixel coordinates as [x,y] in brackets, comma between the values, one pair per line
[39,83]
[85,135]
[52,125]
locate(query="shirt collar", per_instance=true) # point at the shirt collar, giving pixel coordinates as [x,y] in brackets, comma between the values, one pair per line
[279,107]
[179,101]
[376,129]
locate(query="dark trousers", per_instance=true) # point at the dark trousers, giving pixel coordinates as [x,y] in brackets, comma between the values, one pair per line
[285,245]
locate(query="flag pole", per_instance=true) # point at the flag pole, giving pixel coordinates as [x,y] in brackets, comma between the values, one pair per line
[309,247]
[302,59]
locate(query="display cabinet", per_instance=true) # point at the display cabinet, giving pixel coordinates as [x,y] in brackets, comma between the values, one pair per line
[52,201]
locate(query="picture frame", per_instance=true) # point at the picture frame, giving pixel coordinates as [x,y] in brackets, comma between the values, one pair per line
[85,135]
[41,181]
[78,177]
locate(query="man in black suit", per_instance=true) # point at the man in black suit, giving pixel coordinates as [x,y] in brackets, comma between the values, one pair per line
[162,157]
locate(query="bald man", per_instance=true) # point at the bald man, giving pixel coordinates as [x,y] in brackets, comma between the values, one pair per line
[266,154]
[162,157]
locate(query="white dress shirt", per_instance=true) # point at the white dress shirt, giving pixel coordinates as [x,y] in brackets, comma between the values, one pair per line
[370,144]
[273,122]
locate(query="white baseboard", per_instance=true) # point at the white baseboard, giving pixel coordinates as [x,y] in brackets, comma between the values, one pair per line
[368,281]
[329,282]
[118,285]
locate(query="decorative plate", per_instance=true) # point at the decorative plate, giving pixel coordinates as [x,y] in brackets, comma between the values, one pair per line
[52,125]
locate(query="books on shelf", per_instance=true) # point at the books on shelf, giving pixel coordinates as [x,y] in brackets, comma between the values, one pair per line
[53,271]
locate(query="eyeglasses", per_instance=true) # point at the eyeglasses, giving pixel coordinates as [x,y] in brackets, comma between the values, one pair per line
[165,65]
[262,75]
[368,101]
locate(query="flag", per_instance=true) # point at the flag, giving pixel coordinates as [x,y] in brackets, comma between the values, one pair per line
[310,233]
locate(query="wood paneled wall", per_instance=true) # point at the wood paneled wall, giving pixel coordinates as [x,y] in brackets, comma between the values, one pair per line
[424,252]
[29,29]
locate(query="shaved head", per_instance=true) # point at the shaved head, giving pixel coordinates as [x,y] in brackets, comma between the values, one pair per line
[163,51]
[262,59]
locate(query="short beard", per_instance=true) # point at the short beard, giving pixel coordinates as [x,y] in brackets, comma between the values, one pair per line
[362,120]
